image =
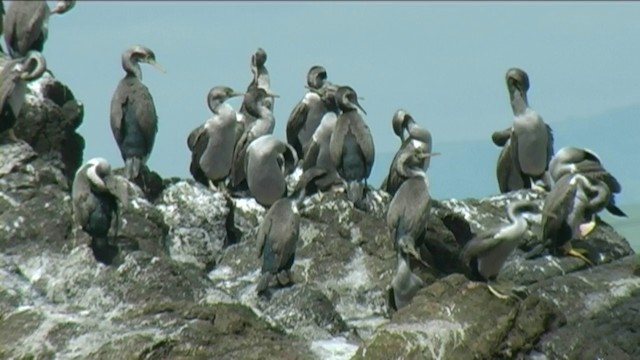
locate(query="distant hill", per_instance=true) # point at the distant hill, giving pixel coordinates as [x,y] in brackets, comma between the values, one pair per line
[467,169]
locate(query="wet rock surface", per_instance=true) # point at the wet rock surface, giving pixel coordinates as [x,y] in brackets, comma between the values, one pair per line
[182,284]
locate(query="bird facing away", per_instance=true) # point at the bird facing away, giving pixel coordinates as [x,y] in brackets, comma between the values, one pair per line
[405,284]
[263,124]
[531,142]
[492,247]
[26,25]
[410,208]
[573,160]
[565,207]
[94,202]
[13,88]
[307,114]
[212,152]
[351,146]
[268,162]
[134,121]
[278,235]
[418,138]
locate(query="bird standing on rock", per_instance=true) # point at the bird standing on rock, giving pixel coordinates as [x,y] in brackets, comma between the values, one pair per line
[278,235]
[26,25]
[571,160]
[308,113]
[264,123]
[527,145]
[351,146]
[95,204]
[491,248]
[565,207]
[13,88]
[134,121]
[410,208]
[212,150]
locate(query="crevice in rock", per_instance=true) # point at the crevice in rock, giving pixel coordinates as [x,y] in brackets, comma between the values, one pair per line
[103,251]
[459,227]
[234,235]
[150,183]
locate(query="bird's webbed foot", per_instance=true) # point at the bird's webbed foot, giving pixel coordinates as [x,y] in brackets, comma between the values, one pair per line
[284,278]
[505,291]
[539,187]
[579,253]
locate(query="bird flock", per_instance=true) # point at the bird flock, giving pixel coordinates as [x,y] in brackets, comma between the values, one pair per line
[235,153]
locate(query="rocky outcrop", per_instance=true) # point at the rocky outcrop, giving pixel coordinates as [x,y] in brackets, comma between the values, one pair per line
[181,283]
[48,122]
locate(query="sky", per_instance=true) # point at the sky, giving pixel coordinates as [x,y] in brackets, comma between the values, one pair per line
[443,62]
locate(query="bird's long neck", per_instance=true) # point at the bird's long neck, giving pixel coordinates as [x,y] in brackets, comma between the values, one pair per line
[411,171]
[518,223]
[599,189]
[519,102]
[132,67]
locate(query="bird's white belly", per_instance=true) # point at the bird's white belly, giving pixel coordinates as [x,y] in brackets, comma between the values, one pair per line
[532,147]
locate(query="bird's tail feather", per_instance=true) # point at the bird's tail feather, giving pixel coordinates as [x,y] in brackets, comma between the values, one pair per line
[614,210]
[263,283]
[132,167]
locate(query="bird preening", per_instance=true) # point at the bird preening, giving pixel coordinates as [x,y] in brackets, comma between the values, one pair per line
[329,144]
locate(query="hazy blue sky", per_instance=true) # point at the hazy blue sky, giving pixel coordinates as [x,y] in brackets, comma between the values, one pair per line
[443,62]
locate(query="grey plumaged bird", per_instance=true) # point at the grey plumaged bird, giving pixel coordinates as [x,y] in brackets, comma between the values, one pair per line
[531,142]
[410,208]
[565,207]
[269,160]
[95,203]
[26,24]
[13,87]
[351,146]
[307,114]
[405,284]
[263,124]
[318,154]
[134,121]
[573,160]
[417,138]
[492,247]
[212,148]
[260,79]
[278,235]
[525,157]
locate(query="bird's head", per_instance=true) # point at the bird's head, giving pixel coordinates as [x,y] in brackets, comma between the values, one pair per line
[347,99]
[517,79]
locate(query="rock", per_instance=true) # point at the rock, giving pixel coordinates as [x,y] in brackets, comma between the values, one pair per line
[182,284]
[196,217]
[48,122]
